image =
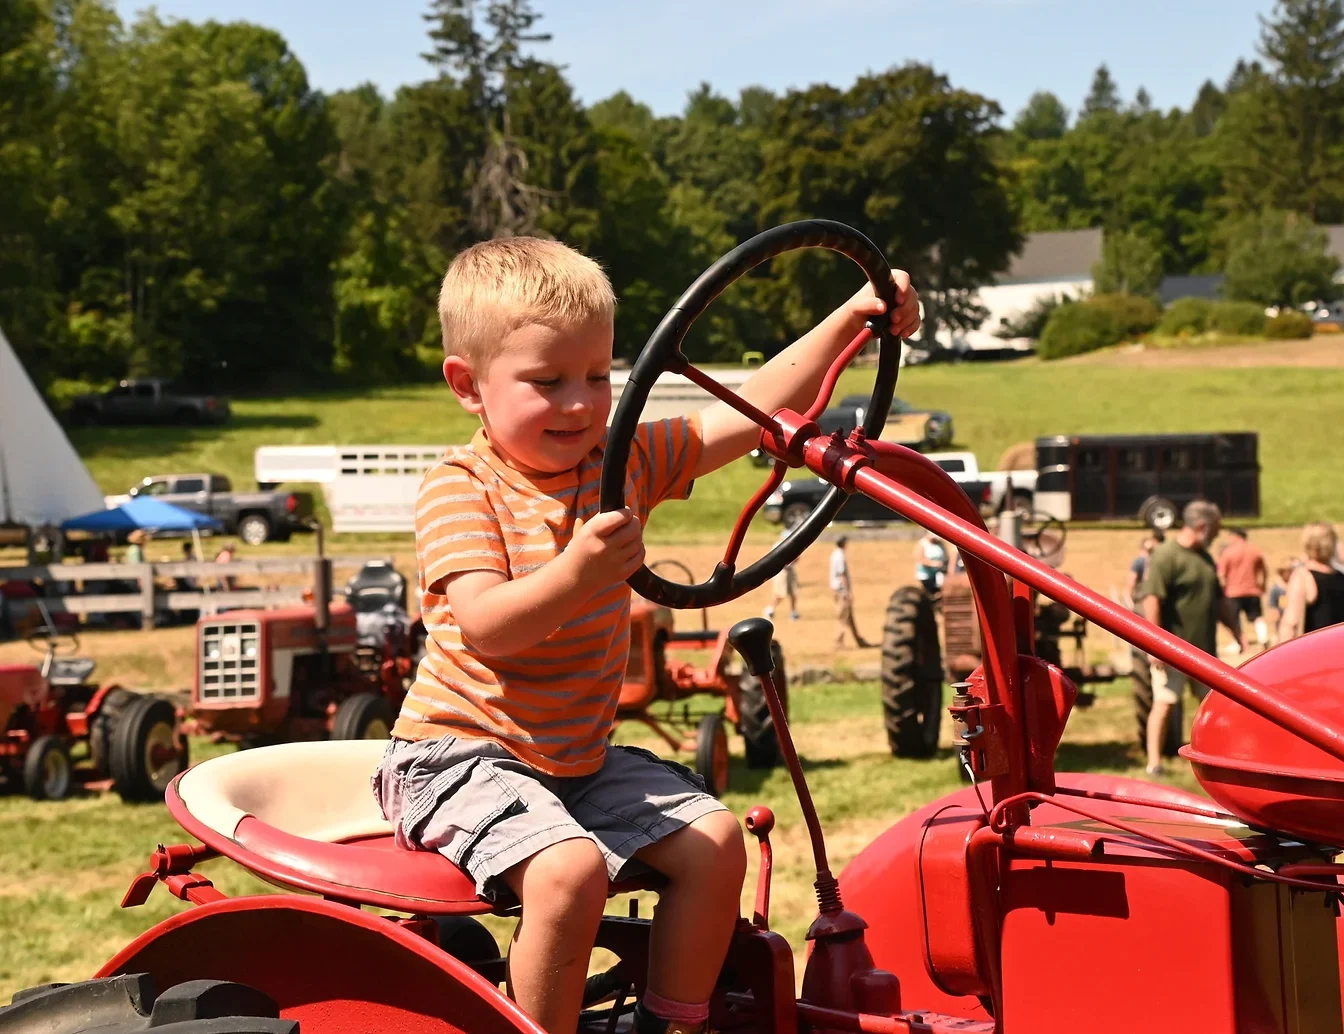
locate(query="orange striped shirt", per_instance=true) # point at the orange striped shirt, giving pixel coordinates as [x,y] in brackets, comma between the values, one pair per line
[551,706]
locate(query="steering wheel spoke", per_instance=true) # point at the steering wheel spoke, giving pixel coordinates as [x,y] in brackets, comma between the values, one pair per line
[662,354]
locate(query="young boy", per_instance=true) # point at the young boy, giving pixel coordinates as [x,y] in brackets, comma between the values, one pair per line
[499,759]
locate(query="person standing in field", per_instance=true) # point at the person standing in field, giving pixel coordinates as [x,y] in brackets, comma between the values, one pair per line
[1183,596]
[784,586]
[843,591]
[930,562]
[1315,597]
[1242,572]
[1138,567]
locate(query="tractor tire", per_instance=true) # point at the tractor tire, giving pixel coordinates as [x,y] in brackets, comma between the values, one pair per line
[48,774]
[364,716]
[101,725]
[128,1003]
[912,674]
[254,529]
[145,729]
[1159,514]
[754,723]
[711,753]
[466,939]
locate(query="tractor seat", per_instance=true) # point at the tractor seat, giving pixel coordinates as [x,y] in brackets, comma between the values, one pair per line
[302,816]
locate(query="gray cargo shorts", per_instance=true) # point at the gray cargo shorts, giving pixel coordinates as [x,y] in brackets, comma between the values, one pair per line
[486,811]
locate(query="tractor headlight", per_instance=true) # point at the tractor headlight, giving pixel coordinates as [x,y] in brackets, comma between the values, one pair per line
[212,650]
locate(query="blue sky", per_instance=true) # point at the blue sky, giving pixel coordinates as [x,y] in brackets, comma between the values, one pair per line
[658,50]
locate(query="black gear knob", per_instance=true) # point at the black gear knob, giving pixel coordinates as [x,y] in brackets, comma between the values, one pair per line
[751,638]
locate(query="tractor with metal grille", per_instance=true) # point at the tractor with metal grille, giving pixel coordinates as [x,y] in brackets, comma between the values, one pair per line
[308,671]
[970,916]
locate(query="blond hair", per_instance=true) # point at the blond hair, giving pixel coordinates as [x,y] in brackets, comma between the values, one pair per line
[497,286]
[1319,542]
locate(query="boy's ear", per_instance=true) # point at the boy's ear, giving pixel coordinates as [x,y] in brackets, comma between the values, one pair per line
[462,379]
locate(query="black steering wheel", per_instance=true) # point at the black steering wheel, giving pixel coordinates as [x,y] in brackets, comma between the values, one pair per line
[662,354]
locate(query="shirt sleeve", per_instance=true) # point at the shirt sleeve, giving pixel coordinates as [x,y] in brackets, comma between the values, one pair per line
[1137,565]
[663,456]
[1158,576]
[456,529]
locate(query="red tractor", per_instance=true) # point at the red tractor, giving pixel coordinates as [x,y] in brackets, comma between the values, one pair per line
[655,678]
[971,915]
[310,671]
[131,740]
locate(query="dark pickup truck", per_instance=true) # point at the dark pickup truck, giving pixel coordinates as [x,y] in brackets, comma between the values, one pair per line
[253,516]
[149,400]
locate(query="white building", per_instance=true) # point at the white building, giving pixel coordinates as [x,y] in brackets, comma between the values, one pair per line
[1053,263]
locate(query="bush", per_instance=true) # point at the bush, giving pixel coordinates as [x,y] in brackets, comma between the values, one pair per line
[1135,316]
[1031,323]
[1185,316]
[1289,324]
[1237,318]
[62,391]
[1076,328]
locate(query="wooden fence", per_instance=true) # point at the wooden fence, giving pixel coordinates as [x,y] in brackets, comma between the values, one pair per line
[67,592]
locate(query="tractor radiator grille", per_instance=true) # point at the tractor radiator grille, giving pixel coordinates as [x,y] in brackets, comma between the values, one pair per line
[230,662]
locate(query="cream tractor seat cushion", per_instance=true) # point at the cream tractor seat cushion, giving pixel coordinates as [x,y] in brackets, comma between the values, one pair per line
[316,790]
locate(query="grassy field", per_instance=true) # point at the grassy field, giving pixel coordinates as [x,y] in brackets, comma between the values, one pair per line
[995,405]
[66,864]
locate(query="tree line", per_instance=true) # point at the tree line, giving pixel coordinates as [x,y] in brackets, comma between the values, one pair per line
[175,198]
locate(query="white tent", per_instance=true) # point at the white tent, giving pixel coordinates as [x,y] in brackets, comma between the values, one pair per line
[42,480]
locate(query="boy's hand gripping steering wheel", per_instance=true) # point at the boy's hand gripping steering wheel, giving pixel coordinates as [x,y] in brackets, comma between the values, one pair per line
[779,437]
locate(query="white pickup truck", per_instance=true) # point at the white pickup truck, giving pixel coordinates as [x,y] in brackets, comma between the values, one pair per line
[1008,489]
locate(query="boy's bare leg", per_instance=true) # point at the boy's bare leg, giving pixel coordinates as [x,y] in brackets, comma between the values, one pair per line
[1157,732]
[563,890]
[705,864]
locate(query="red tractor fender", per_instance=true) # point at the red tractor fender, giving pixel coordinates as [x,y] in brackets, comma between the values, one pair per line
[914,888]
[332,967]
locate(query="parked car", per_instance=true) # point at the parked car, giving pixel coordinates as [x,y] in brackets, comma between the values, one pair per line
[1148,476]
[254,517]
[909,425]
[1008,489]
[148,400]
[794,500]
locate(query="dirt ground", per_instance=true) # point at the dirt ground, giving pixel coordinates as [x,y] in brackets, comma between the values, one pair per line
[162,659]
[1326,350]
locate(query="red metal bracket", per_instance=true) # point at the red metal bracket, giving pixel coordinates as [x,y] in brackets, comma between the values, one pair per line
[979,728]
[172,866]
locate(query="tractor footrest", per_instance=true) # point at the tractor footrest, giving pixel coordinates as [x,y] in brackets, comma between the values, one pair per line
[692,635]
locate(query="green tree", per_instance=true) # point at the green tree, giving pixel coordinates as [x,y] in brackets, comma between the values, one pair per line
[905,155]
[1279,258]
[1130,264]
[1208,108]
[1103,96]
[1043,118]
[1282,138]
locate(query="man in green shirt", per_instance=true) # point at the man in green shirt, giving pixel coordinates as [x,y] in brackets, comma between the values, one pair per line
[1183,596]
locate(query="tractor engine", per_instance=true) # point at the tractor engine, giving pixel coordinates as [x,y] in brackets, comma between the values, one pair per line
[259,672]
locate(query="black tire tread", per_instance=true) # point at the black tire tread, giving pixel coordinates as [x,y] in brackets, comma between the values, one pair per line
[908,691]
[705,736]
[754,723]
[356,711]
[33,774]
[127,754]
[128,1003]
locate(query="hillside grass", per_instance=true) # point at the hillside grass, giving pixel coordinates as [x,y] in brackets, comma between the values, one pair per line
[1294,409]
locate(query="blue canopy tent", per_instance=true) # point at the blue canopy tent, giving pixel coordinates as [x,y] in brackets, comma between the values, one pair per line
[144,512]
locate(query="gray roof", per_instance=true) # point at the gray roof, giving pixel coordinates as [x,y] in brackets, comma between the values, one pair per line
[1055,255]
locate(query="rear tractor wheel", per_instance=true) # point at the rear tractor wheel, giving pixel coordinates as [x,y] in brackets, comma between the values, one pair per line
[912,674]
[47,772]
[364,716]
[146,751]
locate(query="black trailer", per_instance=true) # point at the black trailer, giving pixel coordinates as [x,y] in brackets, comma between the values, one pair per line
[1098,477]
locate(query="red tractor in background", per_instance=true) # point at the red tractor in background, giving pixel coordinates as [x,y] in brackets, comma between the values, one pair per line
[309,671]
[1216,917]
[131,741]
[654,676]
